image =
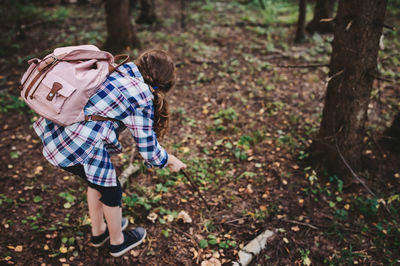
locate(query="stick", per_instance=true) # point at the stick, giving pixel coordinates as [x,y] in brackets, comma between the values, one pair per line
[300,223]
[303,66]
[195,187]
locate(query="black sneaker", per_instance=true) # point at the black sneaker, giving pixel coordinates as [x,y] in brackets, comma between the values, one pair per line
[132,239]
[99,240]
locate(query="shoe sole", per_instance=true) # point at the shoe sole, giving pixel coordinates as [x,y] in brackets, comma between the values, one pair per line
[122,252]
[124,226]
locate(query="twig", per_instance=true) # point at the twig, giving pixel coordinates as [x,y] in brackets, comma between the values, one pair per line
[186,234]
[130,170]
[357,177]
[384,79]
[386,26]
[235,220]
[196,188]
[300,223]
[332,77]
[302,66]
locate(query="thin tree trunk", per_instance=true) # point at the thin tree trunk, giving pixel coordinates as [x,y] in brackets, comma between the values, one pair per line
[147,12]
[323,9]
[183,14]
[300,36]
[119,27]
[354,56]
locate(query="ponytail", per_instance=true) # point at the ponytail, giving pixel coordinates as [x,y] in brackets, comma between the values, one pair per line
[158,71]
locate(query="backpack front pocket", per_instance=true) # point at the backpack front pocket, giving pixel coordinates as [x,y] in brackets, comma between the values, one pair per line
[54,92]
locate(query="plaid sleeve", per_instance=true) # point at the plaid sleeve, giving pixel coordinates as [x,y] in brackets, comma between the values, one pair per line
[140,123]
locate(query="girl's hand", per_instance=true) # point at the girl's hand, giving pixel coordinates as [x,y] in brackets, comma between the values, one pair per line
[174,164]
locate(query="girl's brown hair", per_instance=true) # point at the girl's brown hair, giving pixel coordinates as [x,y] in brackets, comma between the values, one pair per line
[158,71]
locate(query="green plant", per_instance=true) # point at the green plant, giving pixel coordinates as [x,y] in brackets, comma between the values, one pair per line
[9,102]
[134,200]
[224,118]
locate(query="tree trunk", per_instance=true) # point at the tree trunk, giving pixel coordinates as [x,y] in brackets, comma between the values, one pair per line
[119,27]
[323,9]
[147,12]
[301,22]
[354,56]
[391,136]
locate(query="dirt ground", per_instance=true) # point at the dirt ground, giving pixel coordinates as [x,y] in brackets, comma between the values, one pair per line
[240,120]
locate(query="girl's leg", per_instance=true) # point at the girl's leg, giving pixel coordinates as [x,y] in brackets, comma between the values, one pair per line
[114,218]
[96,211]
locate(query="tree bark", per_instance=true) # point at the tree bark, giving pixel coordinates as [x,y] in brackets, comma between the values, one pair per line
[300,36]
[147,12]
[354,56]
[323,9]
[119,27]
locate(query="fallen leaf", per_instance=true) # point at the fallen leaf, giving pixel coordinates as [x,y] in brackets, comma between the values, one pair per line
[63,249]
[18,248]
[185,217]
[249,190]
[295,228]
[211,262]
[38,170]
[195,253]
[135,253]
[152,217]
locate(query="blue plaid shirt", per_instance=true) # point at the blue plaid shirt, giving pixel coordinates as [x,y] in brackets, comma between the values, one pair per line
[127,100]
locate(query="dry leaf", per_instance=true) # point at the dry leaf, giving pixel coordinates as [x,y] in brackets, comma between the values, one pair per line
[63,249]
[152,217]
[185,217]
[195,253]
[38,170]
[295,228]
[18,248]
[211,262]
[249,189]
[135,253]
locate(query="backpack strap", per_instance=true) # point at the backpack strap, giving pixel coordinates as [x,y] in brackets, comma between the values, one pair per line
[123,57]
[98,118]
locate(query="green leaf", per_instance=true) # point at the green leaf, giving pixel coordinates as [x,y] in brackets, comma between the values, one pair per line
[223,245]
[14,155]
[37,199]
[203,243]
[165,233]
[212,242]
[64,239]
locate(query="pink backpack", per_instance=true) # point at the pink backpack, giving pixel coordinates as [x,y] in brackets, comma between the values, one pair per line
[59,86]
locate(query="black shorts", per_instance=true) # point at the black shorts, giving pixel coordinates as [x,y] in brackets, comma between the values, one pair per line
[110,196]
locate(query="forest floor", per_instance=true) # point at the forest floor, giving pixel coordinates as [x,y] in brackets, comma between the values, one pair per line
[241,120]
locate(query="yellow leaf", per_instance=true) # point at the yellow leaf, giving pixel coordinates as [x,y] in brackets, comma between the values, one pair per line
[295,228]
[11,247]
[46,247]
[63,249]
[184,149]
[347,207]
[38,170]
[18,248]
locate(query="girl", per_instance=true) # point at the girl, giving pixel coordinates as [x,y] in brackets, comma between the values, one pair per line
[132,97]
